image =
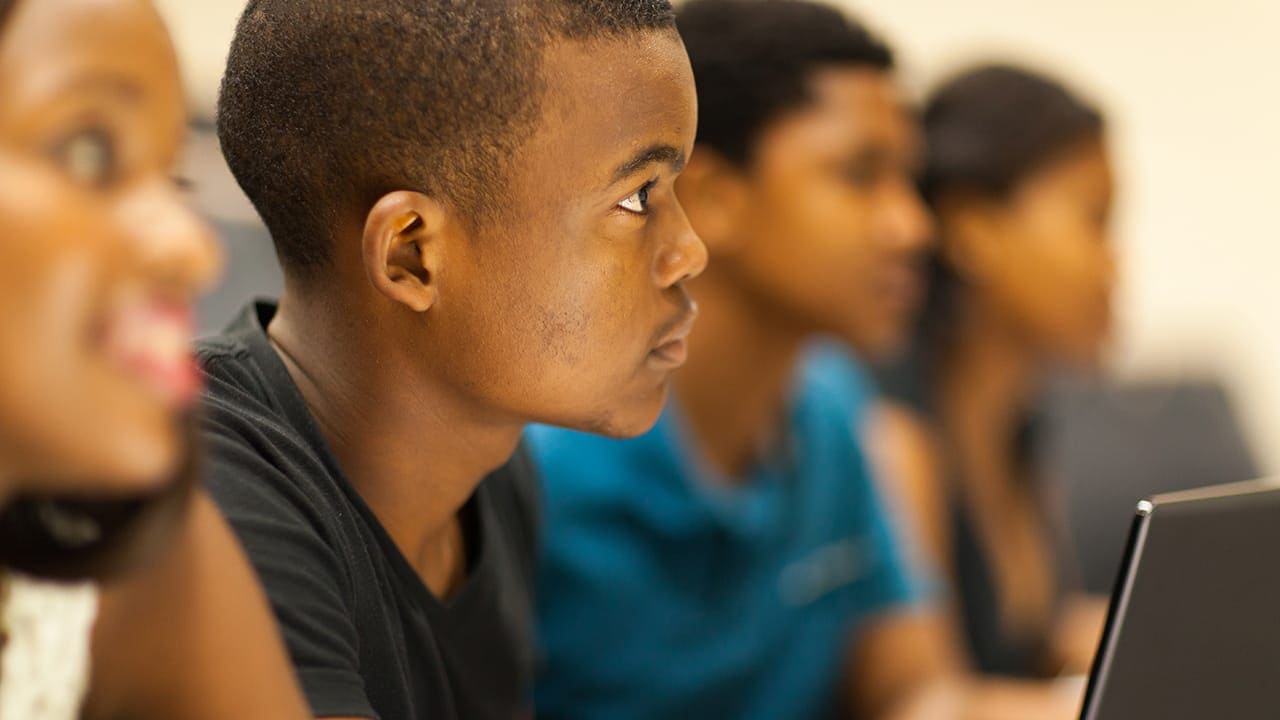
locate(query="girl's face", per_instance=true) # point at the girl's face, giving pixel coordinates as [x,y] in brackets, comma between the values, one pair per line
[99,254]
[1045,263]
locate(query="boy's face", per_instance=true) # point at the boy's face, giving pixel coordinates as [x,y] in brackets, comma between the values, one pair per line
[571,310]
[832,231]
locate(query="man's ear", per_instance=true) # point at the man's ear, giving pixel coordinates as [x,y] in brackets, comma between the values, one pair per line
[403,247]
[714,194]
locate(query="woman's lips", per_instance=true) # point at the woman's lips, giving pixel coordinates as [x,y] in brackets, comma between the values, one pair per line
[150,340]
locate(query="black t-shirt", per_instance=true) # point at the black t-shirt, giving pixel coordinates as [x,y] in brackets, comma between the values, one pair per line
[366,636]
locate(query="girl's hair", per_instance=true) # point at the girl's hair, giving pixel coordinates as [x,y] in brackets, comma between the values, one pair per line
[990,128]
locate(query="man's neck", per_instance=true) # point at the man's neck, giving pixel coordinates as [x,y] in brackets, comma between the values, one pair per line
[413,447]
[734,389]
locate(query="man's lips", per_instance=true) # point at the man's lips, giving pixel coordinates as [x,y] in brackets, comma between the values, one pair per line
[672,348]
[671,354]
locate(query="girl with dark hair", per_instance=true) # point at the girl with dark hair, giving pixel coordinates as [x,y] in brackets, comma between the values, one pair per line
[100,521]
[1021,184]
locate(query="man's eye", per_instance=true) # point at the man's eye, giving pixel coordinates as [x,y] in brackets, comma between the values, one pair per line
[638,202]
[89,157]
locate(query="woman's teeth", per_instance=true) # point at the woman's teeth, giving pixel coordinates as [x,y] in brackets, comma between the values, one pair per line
[152,342]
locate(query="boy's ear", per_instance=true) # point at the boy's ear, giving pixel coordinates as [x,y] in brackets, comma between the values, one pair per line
[403,247]
[714,195]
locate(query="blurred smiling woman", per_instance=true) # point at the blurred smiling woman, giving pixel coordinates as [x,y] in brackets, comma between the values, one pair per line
[99,261]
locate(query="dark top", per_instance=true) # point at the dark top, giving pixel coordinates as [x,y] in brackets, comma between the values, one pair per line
[993,649]
[367,637]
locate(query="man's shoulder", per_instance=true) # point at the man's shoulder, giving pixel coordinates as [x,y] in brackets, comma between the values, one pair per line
[223,354]
[256,452]
[238,404]
[235,380]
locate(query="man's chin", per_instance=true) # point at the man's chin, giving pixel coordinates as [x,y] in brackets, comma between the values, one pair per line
[625,420]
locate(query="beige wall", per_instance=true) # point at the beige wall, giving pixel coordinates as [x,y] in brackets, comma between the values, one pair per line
[1191,88]
[202,30]
[1195,107]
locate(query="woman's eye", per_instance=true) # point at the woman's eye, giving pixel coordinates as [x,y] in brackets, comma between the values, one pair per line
[89,157]
[638,202]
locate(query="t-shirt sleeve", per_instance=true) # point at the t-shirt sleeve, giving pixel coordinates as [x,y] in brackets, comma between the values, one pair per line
[905,579]
[894,579]
[898,582]
[303,575]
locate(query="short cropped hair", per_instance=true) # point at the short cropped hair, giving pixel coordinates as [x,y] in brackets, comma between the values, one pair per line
[328,105]
[753,61]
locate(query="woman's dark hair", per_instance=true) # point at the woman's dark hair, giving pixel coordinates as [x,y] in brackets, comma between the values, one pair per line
[986,131]
[992,127]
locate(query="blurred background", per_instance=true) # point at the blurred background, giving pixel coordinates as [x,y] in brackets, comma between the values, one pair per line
[1193,111]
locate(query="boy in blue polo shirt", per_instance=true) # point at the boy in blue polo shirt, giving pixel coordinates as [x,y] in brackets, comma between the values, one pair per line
[671,589]
[737,561]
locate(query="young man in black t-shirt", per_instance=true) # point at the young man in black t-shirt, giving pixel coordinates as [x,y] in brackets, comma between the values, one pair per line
[473,208]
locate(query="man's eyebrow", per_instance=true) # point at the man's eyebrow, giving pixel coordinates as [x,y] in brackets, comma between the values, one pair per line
[669,154]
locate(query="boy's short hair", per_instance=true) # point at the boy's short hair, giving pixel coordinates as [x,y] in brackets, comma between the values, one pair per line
[329,104]
[753,61]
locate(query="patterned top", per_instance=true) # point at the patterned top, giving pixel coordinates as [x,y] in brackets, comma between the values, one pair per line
[44,668]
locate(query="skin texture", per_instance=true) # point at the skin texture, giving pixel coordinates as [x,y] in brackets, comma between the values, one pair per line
[91,228]
[823,233]
[435,340]
[91,225]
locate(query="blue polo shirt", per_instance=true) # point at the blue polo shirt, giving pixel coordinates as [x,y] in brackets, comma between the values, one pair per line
[664,592]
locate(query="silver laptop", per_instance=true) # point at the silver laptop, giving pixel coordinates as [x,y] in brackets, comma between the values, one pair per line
[1194,627]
